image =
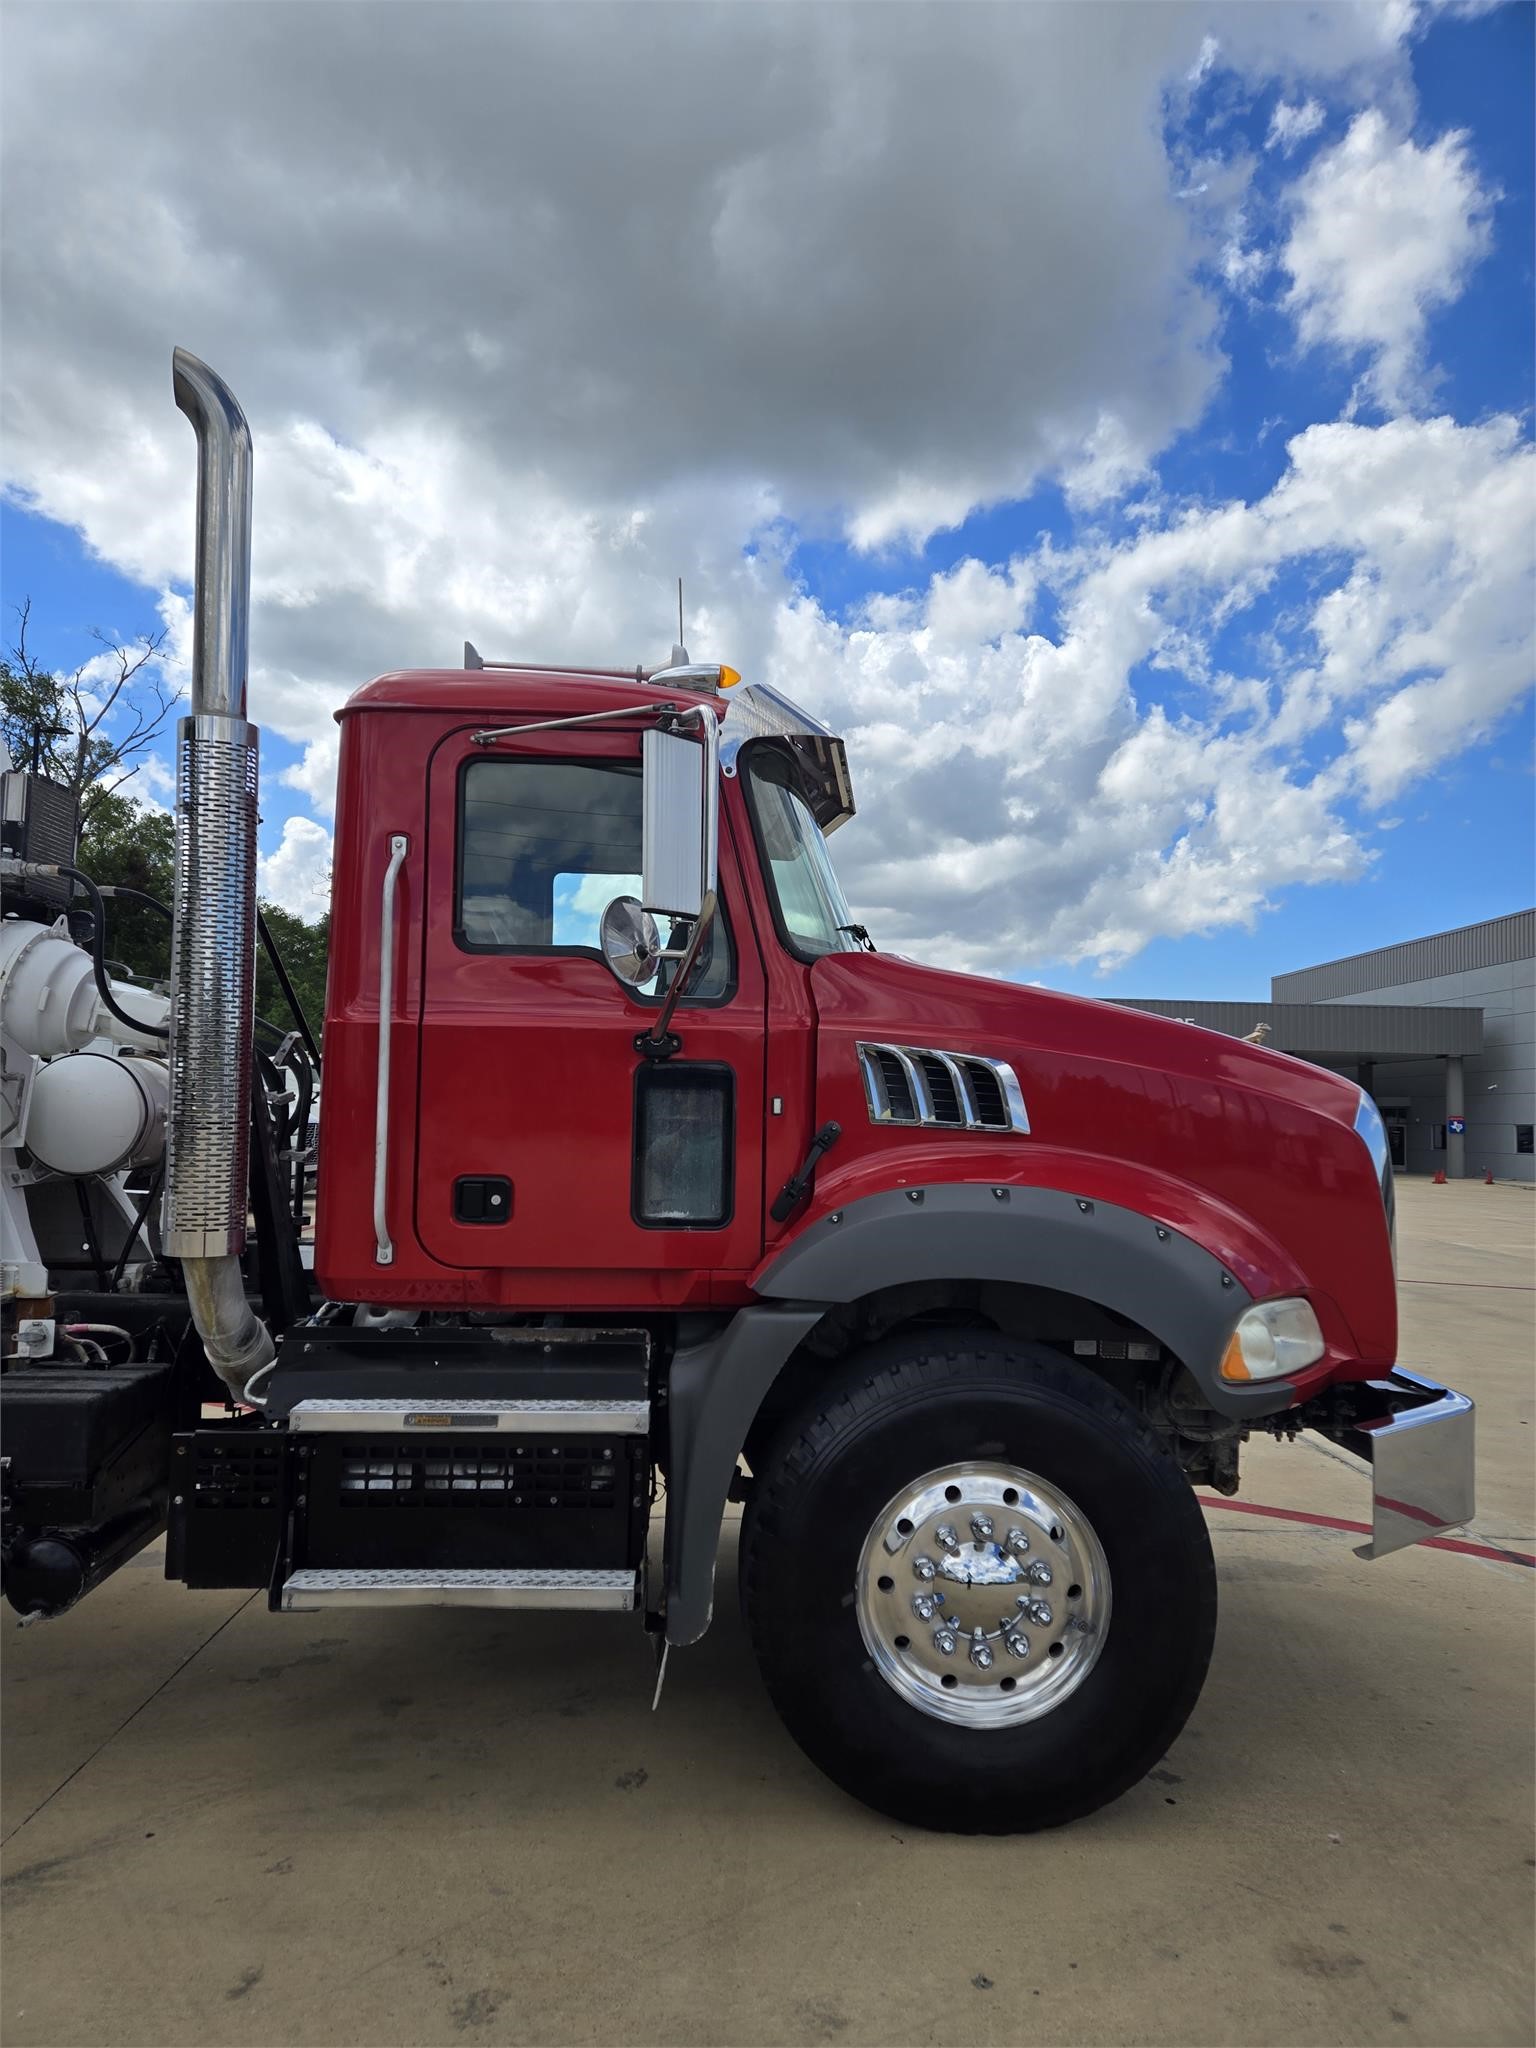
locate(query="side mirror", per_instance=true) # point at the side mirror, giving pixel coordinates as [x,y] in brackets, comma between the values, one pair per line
[630,942]
[681,811]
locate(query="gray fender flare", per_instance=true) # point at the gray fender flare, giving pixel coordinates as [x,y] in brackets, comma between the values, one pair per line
[713,1391]
[1042,1237]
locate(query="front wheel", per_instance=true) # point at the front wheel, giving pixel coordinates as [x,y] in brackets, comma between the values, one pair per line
[980,1591]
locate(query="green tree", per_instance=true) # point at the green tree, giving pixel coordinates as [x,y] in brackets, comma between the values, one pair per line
[305,949]
[57,726]
[87,730]
[132,847]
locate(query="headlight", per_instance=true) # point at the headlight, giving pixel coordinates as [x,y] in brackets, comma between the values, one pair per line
[1273,1340]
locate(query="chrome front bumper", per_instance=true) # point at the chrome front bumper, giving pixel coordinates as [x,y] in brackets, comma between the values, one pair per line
[1420,1449]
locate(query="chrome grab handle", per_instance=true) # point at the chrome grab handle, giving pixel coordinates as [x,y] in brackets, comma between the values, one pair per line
[384,1250]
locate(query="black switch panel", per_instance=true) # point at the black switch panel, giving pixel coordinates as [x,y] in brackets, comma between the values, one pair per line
[482,1198]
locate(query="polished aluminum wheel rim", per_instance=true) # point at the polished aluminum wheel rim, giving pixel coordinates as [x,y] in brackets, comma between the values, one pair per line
[983,1595]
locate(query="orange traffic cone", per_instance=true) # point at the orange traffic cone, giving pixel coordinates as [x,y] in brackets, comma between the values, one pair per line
[1439,1179]
[1487,1176]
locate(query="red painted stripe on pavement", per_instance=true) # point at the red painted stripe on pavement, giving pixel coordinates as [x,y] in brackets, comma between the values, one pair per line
[1497,1286]
[1253,1507]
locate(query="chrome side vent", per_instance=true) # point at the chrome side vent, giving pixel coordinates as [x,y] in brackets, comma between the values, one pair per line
[893,1085]
[991,1103]
[957,1091]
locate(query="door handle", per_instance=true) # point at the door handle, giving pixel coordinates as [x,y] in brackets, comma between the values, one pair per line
[384,1250]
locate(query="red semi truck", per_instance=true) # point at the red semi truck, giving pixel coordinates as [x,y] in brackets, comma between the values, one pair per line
[644,1177]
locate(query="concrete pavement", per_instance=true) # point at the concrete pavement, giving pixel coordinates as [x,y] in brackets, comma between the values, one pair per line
[224,1827]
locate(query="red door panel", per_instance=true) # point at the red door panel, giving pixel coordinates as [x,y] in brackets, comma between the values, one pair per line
[528,1074]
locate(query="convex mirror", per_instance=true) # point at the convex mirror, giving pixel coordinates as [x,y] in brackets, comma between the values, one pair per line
[630,942]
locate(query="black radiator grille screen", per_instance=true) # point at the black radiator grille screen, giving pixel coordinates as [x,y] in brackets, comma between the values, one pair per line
[523,1475]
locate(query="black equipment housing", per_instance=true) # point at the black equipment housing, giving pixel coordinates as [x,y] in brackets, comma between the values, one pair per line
[87,1454]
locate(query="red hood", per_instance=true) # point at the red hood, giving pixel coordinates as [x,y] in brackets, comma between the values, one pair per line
[971,1013]
[1250,1151]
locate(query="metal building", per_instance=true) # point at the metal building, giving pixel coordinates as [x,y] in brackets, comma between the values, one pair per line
[1441,1030]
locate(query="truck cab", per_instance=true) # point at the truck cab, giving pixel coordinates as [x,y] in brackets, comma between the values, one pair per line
[535,1159]
[646,1181]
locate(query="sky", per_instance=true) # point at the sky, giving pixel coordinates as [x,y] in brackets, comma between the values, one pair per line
[1115,420]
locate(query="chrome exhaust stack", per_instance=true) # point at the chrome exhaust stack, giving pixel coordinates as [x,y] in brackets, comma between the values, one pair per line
[213,951]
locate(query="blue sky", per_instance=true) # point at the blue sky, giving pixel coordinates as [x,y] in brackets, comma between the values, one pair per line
[806,566]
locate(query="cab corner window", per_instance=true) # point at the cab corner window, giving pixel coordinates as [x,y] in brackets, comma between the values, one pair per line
[544,847]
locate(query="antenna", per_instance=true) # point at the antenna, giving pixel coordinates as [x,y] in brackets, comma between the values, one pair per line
[680,633]
[679,651]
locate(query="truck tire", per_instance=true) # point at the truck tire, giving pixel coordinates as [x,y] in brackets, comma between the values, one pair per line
[980,1591]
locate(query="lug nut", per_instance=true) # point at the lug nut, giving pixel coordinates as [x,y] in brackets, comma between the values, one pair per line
[923,1568]
[924,1606]
[981,1653]
[1016,1542]
[1039,1613]
[944,1641]
[1039,1573]
[981,1527]
[1015,1644]
[945,1536]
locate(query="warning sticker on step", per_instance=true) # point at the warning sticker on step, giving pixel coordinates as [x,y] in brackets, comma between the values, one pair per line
[473,1418]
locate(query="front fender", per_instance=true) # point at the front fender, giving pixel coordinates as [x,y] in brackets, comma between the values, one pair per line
[1255,1258]
[1123,1260]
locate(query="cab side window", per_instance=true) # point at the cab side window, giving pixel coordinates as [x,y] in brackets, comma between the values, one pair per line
[544,847]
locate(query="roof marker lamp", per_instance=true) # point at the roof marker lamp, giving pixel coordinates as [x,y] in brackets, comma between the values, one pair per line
[695,675]
[1273,1340]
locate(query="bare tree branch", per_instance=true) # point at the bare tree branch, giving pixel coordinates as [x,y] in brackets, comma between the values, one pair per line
[62,726]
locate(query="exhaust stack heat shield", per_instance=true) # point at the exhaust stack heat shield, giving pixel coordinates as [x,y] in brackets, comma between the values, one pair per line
[213,960]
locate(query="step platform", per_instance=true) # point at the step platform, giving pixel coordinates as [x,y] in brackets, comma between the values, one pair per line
[312,1592]
[432,1367]
[600,1417]
[443,1467]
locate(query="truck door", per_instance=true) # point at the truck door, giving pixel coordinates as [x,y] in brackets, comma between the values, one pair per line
[546,1146]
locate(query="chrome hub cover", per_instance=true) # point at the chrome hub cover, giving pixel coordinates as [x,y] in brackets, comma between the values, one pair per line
[983,1595]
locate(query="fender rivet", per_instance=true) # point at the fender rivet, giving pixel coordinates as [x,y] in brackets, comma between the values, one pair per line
[1086,1207]
[1162,1235]
[914,1194]
[836,1216]
[999,1194]
[1226,1280]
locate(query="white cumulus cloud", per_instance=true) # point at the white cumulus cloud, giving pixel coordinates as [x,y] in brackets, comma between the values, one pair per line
[1384,232]
[298,873]
[1021,800]
[1291,123]
[855,273]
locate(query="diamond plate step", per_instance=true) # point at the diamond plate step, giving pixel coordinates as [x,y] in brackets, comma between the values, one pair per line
[532,1418]
[310,1592]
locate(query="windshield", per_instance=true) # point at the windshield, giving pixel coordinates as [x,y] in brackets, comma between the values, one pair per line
[812,905]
